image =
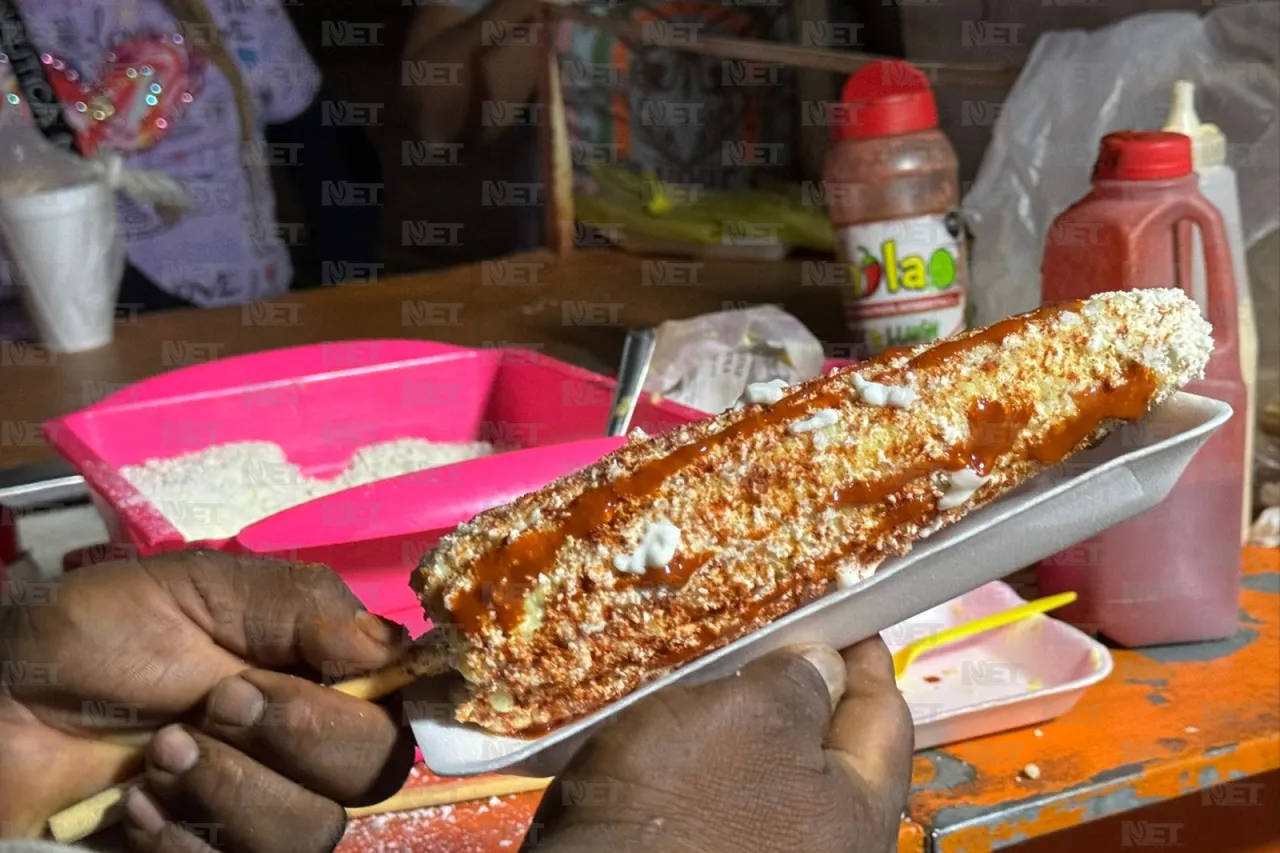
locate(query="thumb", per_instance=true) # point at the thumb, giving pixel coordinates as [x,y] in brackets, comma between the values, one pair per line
[807,680]
[872,736]
[276,615]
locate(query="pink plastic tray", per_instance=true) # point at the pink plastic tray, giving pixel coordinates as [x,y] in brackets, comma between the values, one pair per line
[322,402]
[373,535]
[1014,676]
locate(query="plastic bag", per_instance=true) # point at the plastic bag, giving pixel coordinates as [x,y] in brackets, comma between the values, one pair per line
[1078,86]
[30,164]
[706,362]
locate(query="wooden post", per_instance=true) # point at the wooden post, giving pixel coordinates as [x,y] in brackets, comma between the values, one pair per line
[553,133]
[812,87]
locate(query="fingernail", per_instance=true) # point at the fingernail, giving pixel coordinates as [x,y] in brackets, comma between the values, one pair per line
[173,750]
[382,631]
[236,702]
[830,666]
[142,811]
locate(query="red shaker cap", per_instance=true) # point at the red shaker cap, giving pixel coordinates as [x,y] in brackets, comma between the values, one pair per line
[886,98]
[1143,155]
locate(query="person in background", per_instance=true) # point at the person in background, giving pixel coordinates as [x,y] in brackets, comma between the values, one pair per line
[207,655]
[694,121]
[193,89]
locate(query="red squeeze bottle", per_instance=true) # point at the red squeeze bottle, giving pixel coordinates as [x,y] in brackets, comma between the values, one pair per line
[1171,574]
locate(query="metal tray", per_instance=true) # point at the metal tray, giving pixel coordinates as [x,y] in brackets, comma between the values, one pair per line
[1129,472]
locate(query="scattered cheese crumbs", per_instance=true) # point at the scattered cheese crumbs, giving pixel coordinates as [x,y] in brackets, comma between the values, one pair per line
[1191,730]
[930,528]
[494,801]
[765,392]
[639,434]
[853,573]
[963,484]
[1031,771]
[891,396]
[657,548]
[1038,733]
[818,420]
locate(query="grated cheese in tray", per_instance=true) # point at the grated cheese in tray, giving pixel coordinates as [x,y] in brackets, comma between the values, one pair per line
[217,492]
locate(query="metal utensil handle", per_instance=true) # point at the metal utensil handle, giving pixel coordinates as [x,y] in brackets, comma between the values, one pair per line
[637,352]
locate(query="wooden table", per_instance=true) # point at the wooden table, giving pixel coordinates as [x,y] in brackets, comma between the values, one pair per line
[1188,730]
[577,310]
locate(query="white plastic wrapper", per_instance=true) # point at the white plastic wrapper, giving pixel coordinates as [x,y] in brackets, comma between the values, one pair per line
[706,362]
[1078,86]
[1265,532]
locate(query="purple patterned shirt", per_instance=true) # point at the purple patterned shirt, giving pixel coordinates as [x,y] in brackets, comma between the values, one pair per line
[227,249]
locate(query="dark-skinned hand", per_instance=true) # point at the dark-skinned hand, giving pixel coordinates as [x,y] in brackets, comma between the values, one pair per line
[805,749]
[181,667]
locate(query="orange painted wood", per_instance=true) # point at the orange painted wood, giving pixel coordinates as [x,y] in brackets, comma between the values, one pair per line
[1244,818]
[1155,730]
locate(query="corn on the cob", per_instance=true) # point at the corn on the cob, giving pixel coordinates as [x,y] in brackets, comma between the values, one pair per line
[572,596]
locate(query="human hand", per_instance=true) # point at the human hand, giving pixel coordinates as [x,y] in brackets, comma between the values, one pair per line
[91,665]
[763,761]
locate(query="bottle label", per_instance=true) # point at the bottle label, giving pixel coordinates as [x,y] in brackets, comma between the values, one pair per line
[905,280]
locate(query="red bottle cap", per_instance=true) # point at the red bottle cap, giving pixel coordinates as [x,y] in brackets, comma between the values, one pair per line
[886,98]
[1143,155]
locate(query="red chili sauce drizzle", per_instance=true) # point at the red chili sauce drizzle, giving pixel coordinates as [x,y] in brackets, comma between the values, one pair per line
[504,575]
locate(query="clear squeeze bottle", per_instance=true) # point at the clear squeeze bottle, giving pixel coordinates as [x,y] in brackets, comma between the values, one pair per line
[1172,574]
[1218,184]
[892,188]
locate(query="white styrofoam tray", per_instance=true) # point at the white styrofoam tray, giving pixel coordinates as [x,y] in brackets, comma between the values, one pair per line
[1129,472]
[1018,675]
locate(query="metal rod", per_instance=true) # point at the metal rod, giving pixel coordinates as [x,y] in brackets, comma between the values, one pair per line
[637,353]
[40,485]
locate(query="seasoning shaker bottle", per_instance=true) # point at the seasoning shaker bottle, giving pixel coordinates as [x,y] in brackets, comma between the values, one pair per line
[891,183]
[1171,574]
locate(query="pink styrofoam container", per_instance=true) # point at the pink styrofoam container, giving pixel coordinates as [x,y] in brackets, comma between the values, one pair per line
[322,402]
[1018,675]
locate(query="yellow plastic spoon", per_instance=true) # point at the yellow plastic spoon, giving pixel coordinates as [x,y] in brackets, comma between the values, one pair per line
[908,653]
